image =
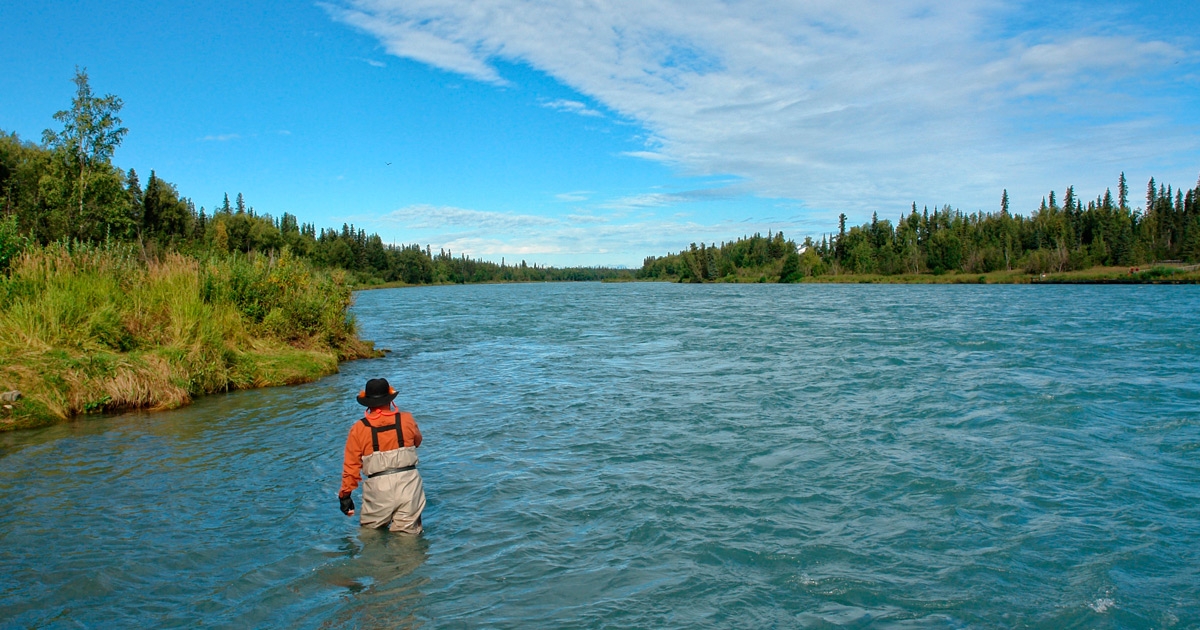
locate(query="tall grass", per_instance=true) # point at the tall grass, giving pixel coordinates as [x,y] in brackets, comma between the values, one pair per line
[105,327]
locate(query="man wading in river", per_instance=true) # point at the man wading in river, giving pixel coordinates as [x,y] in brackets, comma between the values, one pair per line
[382,446]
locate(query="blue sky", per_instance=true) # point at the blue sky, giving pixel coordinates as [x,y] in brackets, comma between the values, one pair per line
[576,132]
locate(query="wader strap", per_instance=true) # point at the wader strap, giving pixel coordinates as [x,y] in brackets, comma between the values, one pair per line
[399,429]
[374,435]
[390,471]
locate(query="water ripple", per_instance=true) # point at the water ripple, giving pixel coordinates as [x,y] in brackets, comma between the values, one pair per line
[660,456]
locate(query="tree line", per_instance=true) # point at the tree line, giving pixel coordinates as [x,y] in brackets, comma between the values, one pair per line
[1066,236]
[68,189]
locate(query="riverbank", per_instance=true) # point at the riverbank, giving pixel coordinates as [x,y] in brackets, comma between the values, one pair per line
[87,329]
[1158,273]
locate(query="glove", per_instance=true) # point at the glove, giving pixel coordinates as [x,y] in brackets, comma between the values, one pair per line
[347,504]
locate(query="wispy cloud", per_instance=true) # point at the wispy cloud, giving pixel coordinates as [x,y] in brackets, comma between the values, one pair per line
[660,199]
[425,217]
[429,40]
[839,103]
[644,200]
[574,107]
[224,137]
[574,196]
[586,218]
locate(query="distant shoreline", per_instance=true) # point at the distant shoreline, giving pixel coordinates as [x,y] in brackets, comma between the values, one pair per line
[1157,274]
[1160,273]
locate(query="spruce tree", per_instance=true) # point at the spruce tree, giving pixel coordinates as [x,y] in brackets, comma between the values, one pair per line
[839,247]
[151,205]
[134,190]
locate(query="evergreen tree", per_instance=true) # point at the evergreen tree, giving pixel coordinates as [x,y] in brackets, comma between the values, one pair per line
[839,246]
[134,189]
[151,205]
[1122,192]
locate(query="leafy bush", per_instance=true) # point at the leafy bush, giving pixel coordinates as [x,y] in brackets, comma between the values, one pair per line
[12,242]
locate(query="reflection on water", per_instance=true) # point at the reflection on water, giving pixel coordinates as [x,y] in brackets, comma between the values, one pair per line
[376,570]
[659,456]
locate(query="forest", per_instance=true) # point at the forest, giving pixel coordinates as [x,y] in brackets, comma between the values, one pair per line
[67,189]
[1056,237]
[118,293]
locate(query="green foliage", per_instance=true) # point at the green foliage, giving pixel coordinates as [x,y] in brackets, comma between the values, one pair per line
[98,327]
[69,191]
[12,242]
[790,271]
[1156,273]
[1054,239]
[81,183]
[746,259]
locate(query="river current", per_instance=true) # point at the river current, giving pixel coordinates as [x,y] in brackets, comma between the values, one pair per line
[659,456]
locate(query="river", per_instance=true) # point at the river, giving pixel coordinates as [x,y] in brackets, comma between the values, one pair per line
[659,456]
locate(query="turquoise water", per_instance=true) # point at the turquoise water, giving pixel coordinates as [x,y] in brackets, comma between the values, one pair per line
[656,455]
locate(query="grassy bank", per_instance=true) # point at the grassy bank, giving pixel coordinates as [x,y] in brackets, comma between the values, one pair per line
[87,328]
[1159,273]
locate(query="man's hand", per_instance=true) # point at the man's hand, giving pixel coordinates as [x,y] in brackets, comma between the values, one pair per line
[347,505]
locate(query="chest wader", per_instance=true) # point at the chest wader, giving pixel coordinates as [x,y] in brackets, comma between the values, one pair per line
[393,494]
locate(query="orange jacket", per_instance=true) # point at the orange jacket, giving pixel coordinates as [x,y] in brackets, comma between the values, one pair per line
[359,444]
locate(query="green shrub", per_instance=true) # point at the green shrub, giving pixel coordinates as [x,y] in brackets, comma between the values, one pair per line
[107,327]
[12,243]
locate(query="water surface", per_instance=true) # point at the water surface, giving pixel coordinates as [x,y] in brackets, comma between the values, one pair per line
[656,455]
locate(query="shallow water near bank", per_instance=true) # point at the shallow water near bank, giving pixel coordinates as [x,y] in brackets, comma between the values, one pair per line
[657,455]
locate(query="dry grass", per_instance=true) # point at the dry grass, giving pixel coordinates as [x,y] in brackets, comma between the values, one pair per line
[98,328]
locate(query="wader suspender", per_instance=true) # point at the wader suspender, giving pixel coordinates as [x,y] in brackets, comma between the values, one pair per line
[375,431]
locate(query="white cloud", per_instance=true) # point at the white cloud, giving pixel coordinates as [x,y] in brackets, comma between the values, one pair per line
[425,217]
[424,39]
[586,218]
[574,196]
[574,107]
[660,199]
[839,103]
[644,200]
[224,137]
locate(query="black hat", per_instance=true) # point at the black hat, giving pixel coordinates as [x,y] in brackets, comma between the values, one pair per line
[377,393]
